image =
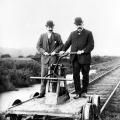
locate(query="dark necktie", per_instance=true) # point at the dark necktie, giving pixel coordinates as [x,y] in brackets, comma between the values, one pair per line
[50,40]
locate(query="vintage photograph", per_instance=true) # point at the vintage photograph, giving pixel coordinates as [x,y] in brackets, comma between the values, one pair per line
[59,60]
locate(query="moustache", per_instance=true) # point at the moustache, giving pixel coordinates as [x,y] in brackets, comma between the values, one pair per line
[79,29]
[50,30]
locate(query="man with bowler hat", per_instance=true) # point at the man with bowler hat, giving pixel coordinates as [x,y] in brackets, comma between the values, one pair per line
[48,43]
[82,42]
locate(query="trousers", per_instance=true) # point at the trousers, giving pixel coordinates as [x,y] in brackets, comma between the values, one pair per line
[44,72]
[84,69]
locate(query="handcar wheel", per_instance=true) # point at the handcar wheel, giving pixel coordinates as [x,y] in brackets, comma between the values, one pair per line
[17,102]
[36,94]
[96,105]
[15,117]
[87,113]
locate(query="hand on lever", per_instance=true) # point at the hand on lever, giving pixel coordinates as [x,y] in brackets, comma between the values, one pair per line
[45,53]
[80,51]
[53,53]
[61,52]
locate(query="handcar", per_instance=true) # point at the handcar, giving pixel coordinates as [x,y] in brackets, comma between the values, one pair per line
[58,103]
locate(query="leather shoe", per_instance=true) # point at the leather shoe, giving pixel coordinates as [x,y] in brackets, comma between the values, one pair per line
[84,95]
[41,95]
[77,96]
[73,92]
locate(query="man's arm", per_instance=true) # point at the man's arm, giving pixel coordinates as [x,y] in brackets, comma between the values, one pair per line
[40,45]
[90,44]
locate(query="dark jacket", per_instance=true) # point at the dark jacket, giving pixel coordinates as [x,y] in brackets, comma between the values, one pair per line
[84,41]
[44,45]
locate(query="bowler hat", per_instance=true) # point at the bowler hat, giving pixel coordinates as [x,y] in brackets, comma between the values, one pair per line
[78,21]
[49,23]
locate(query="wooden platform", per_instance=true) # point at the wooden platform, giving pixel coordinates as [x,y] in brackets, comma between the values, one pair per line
[37,106]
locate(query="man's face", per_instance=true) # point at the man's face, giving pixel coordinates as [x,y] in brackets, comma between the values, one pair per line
[79,27]
[50,29]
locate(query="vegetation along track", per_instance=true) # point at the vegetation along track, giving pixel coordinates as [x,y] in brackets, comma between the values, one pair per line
[105,85]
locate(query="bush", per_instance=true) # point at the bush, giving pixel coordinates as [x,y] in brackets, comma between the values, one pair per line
[5,56]
[96,59]
[20,56]
[19,78]
[99,59]
[30,56]
[5,83]
[16,73]
[7,63]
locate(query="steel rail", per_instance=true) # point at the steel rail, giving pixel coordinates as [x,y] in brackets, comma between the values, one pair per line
[103,75]
[107,101]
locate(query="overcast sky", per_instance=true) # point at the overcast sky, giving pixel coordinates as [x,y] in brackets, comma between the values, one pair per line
[22,22]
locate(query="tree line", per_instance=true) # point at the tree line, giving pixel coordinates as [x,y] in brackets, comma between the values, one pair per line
[20,56]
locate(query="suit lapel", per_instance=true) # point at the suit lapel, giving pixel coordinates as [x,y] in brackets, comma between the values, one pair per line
[82,32]
[46,38]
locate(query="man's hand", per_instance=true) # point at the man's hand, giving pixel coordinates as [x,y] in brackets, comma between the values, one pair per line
[45,53]
[80,51]
[53,53]
[61,52]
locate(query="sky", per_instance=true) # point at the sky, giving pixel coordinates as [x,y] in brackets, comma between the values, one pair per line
[22,22]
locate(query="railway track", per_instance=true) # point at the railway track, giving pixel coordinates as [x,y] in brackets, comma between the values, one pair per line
[105,86]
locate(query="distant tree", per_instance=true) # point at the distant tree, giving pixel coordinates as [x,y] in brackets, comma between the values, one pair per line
[30,56]
[20,56]
[5,56]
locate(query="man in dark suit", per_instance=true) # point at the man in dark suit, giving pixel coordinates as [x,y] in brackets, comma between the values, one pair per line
[49,43]
[82,42]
